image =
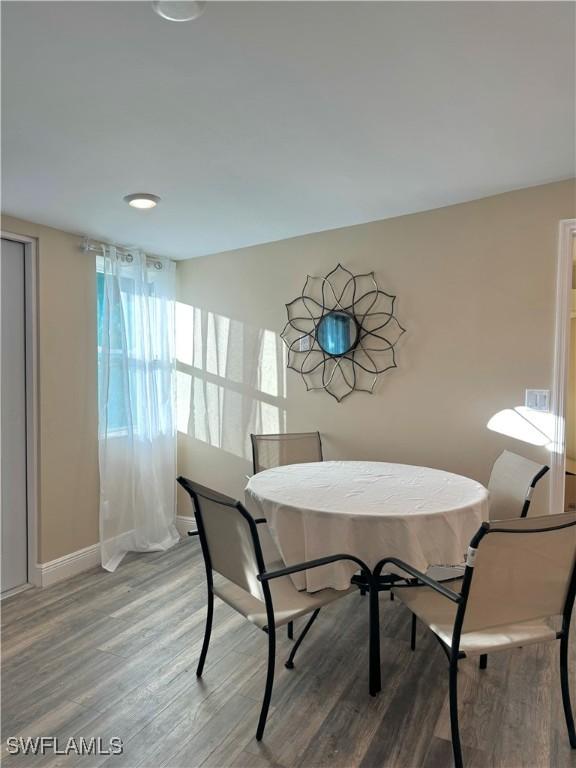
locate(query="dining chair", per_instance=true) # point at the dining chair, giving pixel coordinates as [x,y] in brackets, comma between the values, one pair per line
[270,451]
[511,486]
[273,450]
[262,592]
[519,576]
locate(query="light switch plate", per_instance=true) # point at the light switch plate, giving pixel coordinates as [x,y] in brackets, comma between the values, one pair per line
[538,399]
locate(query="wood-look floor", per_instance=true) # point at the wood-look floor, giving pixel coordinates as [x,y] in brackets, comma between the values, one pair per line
[115,654]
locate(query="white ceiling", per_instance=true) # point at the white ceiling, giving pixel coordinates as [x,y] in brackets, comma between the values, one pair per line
[262,121]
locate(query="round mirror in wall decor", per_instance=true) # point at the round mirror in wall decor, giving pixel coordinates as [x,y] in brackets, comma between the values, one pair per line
[342,332]
[337,333]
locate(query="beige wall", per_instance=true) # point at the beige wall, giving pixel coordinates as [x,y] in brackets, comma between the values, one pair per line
[68,461]
[475,285]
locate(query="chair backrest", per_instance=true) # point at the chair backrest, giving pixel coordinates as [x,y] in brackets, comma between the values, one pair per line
[524,569]
[278,450]
[511,485]
[228,535]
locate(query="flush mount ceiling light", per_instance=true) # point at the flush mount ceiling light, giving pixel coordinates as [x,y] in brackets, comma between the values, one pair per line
[179,10]
[142,200]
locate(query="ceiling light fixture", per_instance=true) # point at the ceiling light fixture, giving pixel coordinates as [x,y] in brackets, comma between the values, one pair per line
[179,10]
[142,200]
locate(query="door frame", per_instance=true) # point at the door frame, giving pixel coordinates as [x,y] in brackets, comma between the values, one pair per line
[32,403]
[566,235]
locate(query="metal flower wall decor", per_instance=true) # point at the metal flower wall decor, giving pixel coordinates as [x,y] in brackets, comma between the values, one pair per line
[341,332]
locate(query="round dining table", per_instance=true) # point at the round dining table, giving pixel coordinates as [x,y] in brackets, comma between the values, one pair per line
[367,509]
[370,510]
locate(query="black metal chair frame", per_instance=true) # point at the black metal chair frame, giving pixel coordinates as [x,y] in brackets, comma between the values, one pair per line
[197,492]
[536,479]
[454,654]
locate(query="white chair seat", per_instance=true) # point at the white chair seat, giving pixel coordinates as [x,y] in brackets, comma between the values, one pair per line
[288,603]
[439,613]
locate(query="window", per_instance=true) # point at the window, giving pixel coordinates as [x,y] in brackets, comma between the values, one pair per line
[118,402]
[128,349]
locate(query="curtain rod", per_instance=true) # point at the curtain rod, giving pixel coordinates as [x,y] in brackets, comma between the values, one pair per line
[95,246]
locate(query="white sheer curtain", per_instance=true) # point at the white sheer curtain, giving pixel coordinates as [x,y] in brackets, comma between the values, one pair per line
[137,428]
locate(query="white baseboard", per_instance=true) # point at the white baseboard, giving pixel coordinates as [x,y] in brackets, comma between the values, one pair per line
[185,524]
[69,565]
[83,559]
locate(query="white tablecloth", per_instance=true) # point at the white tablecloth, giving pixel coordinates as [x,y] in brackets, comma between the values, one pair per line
[368,509]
